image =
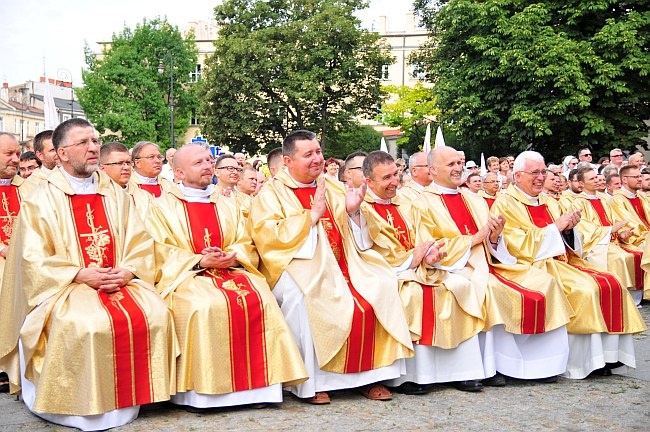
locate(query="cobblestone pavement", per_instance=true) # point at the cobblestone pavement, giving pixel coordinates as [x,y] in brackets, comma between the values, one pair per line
[616,403]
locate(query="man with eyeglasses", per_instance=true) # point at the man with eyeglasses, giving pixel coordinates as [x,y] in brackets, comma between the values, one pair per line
[491,188]
[28,164]
[632,205]
[523,308]
[616,158]
[147,166]
[229,173]
[115,161]
[540,234]
[420,177]
[83,330]
[353,169]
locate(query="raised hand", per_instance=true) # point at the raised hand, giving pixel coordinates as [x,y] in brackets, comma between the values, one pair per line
[318,208]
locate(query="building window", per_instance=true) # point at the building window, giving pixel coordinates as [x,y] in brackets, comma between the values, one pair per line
[418,73]
[194,121]
[196,75]
[384,72]
[37,128]
[2,124]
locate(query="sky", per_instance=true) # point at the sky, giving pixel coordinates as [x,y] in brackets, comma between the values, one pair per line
[40,35]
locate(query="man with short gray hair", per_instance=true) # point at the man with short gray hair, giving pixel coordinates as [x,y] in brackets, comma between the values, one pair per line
[147,165]
[540,234]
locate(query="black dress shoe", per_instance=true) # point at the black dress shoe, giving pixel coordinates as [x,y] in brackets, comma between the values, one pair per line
[604,371]
[547,380]
[497,380]
[468,386]
[411,388]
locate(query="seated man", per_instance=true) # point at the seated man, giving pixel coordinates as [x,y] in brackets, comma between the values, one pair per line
[147,165]
[525,310]
[229,173]
[444,333]
[46,153]
[420,177]
[339,298]
[83,328]
[115,161]
[490,188]
[539,234]
[608,233]
[236,347]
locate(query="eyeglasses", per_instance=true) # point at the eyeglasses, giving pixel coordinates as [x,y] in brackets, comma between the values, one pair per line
[616,155]
[84,143]
[353,168]
[151,157]
[231,169]
[636,176]
[419,166]
[28,168]
[586,154]
[124,163]
[537,173]
[491,181]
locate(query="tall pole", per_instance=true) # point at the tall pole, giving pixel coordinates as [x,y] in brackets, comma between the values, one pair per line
[66,76]
[161,69]
[171,95]
[22,112]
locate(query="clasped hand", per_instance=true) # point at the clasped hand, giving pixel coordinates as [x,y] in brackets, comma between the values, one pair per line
[107,279]
[214,257]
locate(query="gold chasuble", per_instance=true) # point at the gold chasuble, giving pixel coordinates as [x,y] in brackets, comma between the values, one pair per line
[86,352]
[600,303]
[350,295]
[232,333]
[524,300]
[624,261]
[9,208]
[636,211]
[432,311]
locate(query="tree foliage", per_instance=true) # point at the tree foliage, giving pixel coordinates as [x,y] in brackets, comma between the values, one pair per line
[550,75]
[125,95]
[410,109]
[281,65]
[351,138]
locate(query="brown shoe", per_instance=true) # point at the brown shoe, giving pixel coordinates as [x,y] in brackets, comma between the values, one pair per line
[320,398]
[376,392]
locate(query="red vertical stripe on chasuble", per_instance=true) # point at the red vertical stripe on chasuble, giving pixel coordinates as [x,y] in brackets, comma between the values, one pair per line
[245,309]
[130,330]
[361,342]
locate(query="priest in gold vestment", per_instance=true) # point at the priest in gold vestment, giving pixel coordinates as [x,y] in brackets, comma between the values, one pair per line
[339,298]
[445,336]
[610,249]
[539,234]
[630,204]
[236,348]
[524,309]
[84,332]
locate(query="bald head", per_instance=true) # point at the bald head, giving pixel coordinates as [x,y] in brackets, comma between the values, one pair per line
[446,167]
[193,165]
[439,153]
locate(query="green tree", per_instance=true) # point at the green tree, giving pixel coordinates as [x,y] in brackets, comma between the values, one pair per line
[548,75]
[351,138]
[125,96]
[281,65]
[410,109]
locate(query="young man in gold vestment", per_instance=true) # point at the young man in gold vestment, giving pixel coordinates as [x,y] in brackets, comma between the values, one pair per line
[236,348]
[340,299]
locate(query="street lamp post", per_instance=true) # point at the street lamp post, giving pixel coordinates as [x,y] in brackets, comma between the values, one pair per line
[65,75]
[161,69]
[23,98]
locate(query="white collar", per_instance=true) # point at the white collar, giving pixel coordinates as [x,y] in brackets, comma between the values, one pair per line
[196,195]
[301,185]
[446,190]
[533,200]
[628,193]
[376,198]
[146,180]
[81,186]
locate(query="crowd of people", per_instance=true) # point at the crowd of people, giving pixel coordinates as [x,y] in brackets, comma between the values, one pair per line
[126,281]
